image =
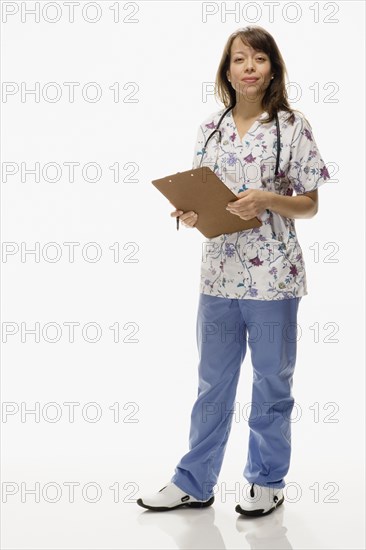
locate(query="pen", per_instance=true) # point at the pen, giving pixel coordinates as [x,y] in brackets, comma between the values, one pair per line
[177,222]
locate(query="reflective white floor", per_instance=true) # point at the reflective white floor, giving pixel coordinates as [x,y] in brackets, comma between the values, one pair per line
[115,521]
[112,464]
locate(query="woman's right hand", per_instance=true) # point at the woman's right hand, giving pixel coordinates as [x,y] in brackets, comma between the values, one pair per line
[189,219]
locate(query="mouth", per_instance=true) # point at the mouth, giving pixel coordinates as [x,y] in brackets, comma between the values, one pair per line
[249,79]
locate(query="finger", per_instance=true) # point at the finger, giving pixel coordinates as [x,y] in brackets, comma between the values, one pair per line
[176,213]
[190,221]
[188,217]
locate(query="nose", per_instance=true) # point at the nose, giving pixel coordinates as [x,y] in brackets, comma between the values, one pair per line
[249,66]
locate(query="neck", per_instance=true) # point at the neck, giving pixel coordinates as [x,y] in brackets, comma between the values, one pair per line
[247,109]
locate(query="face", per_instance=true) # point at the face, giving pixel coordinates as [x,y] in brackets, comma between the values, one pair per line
[245,63]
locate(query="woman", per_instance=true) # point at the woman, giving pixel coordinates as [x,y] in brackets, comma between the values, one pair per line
[251,281]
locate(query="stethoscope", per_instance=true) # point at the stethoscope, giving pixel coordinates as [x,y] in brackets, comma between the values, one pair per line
[220,136]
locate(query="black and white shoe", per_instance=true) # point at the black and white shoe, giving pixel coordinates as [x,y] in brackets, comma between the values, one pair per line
[171,497]
[262,501]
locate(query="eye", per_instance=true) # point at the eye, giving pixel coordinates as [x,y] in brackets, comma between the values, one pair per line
[240,58]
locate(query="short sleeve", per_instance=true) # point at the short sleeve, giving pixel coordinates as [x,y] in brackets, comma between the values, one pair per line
[198,148]
[307,170]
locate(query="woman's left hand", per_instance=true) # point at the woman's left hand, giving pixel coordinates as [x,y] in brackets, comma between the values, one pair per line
[253,203]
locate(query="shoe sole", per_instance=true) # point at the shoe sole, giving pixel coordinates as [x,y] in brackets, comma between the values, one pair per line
[258,513]
[140,502]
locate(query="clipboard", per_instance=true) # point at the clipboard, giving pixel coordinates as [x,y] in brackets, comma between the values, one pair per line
[203,192]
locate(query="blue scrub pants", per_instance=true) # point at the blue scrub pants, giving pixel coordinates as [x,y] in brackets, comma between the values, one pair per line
[224,328]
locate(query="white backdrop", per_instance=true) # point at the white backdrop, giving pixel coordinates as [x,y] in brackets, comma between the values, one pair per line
[110,371]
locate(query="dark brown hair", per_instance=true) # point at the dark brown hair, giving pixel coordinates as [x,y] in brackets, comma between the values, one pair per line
[275,97]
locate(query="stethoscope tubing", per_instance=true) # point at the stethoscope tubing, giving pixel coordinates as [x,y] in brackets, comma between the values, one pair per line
[220,134]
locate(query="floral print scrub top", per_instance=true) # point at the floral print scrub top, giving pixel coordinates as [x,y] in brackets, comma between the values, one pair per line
[262,263]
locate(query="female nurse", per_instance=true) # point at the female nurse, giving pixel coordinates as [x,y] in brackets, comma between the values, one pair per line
[251,281]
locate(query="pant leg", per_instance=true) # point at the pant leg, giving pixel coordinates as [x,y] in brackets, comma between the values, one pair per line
[272,339]
[221,341]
